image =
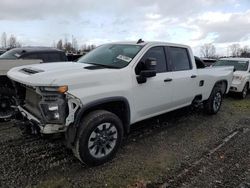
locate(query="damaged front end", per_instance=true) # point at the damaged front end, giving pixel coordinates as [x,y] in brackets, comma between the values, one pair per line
[49,110]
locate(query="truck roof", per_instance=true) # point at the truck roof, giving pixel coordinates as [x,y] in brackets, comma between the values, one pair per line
[150,43]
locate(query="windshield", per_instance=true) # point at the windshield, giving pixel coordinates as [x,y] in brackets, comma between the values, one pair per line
[238,65]
[11,54]
[111,55]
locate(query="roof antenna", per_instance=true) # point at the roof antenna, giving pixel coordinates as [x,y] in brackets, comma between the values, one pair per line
[140,41]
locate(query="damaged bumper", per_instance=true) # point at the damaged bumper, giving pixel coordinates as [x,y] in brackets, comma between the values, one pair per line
[44,127]
[40,127]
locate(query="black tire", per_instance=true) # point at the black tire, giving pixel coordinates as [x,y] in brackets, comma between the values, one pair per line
[213,104]
[105,142]
[243,94]
[6,101]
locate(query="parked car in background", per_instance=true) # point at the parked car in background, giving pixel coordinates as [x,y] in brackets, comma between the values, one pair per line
[18,57]
[74,57]
[2,51]
[241,78]
[208,62]
[46,54]
[95,100]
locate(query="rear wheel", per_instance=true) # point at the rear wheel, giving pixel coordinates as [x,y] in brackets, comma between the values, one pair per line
[213,104]
[6,103]
[243,94]
[100,136]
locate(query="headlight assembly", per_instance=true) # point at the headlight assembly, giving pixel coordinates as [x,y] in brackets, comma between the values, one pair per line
[50,112]
[59,89]
[238,77]
[53,107]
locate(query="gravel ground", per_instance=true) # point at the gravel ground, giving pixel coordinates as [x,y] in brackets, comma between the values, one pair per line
[185,148]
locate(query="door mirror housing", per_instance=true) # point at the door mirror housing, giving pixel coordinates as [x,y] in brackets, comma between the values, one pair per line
[150,64]
[150,68]
[148,71]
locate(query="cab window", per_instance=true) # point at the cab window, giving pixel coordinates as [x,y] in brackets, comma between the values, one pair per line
[179,59]
[159,54]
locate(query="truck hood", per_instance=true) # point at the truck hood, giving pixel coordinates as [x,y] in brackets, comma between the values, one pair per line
[241,73]
[55,74]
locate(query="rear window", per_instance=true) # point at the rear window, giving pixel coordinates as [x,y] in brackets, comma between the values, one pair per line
[179,59]
[51,57]
[45,57]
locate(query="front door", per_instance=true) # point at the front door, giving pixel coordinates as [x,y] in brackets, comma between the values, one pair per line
[154,96]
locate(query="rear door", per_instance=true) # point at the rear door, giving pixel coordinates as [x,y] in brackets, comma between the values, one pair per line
[184,75]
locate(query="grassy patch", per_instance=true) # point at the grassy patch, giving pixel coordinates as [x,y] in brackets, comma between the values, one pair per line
[56,183]
[241,105]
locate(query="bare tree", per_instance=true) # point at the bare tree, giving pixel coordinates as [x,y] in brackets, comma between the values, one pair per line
[4,40]
[93,46]
[60,44]
[68,47]
[245,52]
[13,43]
[208,50]
[74,44]
[235,50]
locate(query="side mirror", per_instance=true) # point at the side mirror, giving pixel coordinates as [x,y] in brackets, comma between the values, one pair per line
[148,71]
[150,68]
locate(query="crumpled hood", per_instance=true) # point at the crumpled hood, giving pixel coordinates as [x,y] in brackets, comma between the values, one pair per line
[54,73]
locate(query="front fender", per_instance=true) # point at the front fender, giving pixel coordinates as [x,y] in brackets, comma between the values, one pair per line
[72,131]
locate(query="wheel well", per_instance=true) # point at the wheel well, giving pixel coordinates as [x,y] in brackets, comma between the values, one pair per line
[119,108]
[248,84]
[5,82]
[223,85]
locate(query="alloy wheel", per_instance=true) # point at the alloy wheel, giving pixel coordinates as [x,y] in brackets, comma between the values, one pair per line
[102,140]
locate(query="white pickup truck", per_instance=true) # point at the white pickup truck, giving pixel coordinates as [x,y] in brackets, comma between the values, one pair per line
[95,100]
[241,78]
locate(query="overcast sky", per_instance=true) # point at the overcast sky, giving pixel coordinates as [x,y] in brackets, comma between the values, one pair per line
[192,22]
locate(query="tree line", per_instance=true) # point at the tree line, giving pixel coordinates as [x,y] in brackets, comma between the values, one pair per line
[9,42]
[72,46]
[206,50]
[235,50]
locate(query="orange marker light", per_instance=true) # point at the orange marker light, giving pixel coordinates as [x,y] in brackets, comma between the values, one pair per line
[62,89]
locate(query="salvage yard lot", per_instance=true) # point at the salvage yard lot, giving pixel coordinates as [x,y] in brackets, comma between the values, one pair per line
[170,150]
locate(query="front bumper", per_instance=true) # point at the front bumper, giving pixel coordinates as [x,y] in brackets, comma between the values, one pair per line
[43,128]
[237,87]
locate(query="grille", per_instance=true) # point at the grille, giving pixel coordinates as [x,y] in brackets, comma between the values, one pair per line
[32,100]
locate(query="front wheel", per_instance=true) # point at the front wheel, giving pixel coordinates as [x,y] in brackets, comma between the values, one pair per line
[99,137]
[243,94]
[213,104]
